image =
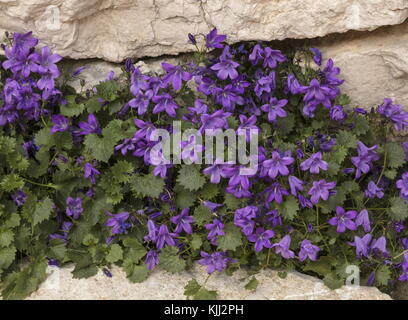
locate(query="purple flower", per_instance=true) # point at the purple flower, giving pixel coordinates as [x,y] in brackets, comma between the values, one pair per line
[78,71]
[74,207]
[152,259]
[47,62]
[362,245]
[282,248]
[293,86]
[211,205]
[314,163]
[395,113]
[214,121]
[318,94]
[183,222]
[308,250]
[275,109]
[218,170]
[165,237]
[248,125]
[92,126]
[261,238]
[192,39]
[191,150]
[402,184]
[265,84]
[226,68]
[373,191]
[317,56]
[213,40]
[363,220]
[61,123]
[272,58]
[118,222]
[295,185]
[243,219]
[216,228]
[126,146]
[337,113]
[214,261]
[30,149]
[320,189]
[274,218]
[90,172]
[343,220]
[141,101]
[277,165]
[175,75]
[19,198]
[166,103]
[152,230]
[327,146]
[380,245]
[364,159]
[276,192]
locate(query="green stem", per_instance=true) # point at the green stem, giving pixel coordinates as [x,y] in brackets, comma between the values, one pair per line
[40,184]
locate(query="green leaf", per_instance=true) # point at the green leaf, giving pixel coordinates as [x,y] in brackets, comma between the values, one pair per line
[147,185]
[396,155]
[7,256]
[42,211]
[12,182]
[135,273]
[398,209]
[204,294]
[19,285]
[252,284]
[13,221]
[383,275]
[170,260]
[102,148]
[232,202]
[108,90]
[346,139]
[135,251]
[184,198]
[289,208]
[191,288]
[202,215]
[115,254]
[6,237]
[190,177]
[232,238]
[332,281]
[209,191]
[72,109]
[362,126]
[85,272]
[196,241]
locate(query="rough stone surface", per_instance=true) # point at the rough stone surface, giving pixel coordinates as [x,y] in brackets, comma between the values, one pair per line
[115,29]
[374,64]
[162,285]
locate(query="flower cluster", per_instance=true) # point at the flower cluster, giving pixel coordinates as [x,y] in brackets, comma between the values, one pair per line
[86,176]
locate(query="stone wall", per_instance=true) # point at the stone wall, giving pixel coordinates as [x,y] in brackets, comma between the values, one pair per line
[366,38]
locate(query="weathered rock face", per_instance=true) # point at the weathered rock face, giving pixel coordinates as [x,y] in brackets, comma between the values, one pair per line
[374,64]
[165,286]
[115,29]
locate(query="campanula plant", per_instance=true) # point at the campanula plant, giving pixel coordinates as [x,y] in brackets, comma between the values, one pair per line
[83,181]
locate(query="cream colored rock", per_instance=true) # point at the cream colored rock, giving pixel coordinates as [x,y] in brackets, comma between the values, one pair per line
[374,64]
[162,285]
[115,29]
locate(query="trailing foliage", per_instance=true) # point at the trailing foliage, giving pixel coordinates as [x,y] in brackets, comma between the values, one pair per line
[79,182]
